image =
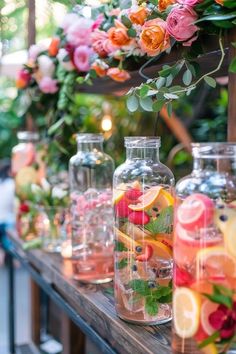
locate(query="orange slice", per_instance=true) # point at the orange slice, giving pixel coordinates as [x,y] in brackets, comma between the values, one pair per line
[160,249]
[215,261]
[147,200]
[230,237]
[186,312]
[126,240]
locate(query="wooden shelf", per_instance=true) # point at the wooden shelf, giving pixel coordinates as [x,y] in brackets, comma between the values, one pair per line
[93,305]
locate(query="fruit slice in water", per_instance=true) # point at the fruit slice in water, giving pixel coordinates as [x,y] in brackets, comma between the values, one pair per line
[160,250]
[147,200]
[186,312]
[230,237]
[210,349]
[126,240]
[208,307]
[121,208]
[196,212]
[23,157]
[138,217]
[215,262]
[148,252]
[120,190]
[223,217]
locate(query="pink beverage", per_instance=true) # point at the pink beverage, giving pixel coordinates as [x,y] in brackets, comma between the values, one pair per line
[143,213]
[91,211]
[204,301]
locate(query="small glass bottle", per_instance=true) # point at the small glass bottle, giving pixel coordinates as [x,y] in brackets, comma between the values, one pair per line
[27,168]
[91,173]
[204,300]
[143,209]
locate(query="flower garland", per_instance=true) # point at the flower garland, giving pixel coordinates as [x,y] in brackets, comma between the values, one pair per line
[113,39]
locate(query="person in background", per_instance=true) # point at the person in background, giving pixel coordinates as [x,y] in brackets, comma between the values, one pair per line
[7,190]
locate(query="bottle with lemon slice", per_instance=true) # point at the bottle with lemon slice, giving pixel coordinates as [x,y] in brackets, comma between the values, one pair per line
[143,209]
[204,299]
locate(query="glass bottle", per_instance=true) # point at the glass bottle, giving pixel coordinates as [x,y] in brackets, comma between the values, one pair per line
[143,209]
[27,168]
[204,301]
[91,173]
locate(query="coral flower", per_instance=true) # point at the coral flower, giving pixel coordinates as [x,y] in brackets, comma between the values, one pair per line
[139,16]
[117,74]
[163,4]
[23,79]
[54,47]
[101,43]
[118,35]
[100,67]
[154,37]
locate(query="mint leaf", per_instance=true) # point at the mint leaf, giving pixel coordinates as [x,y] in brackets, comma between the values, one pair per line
[209,340]
[220,299]
[165,299]
[163,224]
[120,246]
[122,264]
[151,306]
[140,286]
[220,289]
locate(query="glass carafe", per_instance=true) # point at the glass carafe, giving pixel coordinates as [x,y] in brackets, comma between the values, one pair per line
[204,300]
[91,173]
[143,209]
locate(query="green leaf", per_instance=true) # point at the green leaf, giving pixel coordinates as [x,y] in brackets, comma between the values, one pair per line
[55,126]
[120,246]
[171,96]
[126,21]
[140,286]
[210,81]
[160,82]
[68,119]
[132,103]
[122,264]
[146,104]
[169,109]
[151,306]
[157,106]
[144,90]
[165,299]
[163,224]
[132,33]
[209,340]
[217,17]
[220,299]
[169,80]
[187,77]
[232,67]
[165,72]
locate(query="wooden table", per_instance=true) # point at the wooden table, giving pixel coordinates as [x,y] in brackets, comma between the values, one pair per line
[90,307]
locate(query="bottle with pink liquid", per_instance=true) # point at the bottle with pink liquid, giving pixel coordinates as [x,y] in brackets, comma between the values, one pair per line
[91,173]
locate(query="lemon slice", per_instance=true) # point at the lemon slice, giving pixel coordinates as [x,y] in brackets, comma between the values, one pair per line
[230,237]
[223,217]
[215,261]
[126,240]
[147,200]
[119,191]
[210,349]
[186,312]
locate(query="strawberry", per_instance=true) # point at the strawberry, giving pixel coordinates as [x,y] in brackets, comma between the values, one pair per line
[121,209]
[24,208]
[182,277]
[133,194]
[139,217]
[148,252]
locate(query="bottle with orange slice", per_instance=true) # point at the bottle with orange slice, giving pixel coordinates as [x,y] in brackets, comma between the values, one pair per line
[27,168]
[204,298]
[143,209]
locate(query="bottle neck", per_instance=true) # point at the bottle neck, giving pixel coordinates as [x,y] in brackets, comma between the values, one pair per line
[144,153]
[90,146]
[213,164]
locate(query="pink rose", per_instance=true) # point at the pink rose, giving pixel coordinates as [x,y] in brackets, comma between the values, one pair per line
[68,21]
[81,58]
[79,33]
[48,85]
[180,24]
[189,2]
[35,50]
[98,22]
[101,43]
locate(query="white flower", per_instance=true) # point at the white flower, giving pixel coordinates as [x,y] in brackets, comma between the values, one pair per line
[46,66]
[35,50]
[67,65]
[58,192]
[68,20]
[36,189]
[46,185]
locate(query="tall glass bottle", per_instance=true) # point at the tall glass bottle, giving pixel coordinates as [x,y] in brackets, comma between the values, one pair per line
[204,301]
[91,173]
[143,209]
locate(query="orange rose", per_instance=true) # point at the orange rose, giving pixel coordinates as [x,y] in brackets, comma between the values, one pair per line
[54,47]
[221,2]
[118,34]
[100,71]
[138,17]
[154,38]
[118,74]
[163,4]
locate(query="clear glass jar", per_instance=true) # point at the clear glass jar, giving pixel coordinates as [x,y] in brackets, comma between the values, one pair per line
[204,301]
[143,209]
[90,174]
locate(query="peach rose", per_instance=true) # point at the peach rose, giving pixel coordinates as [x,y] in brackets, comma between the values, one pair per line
[118,34]
[54,47]
[154,37]
[163,4]
[101,44]
[117,74]
[99,68]
[139,16]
